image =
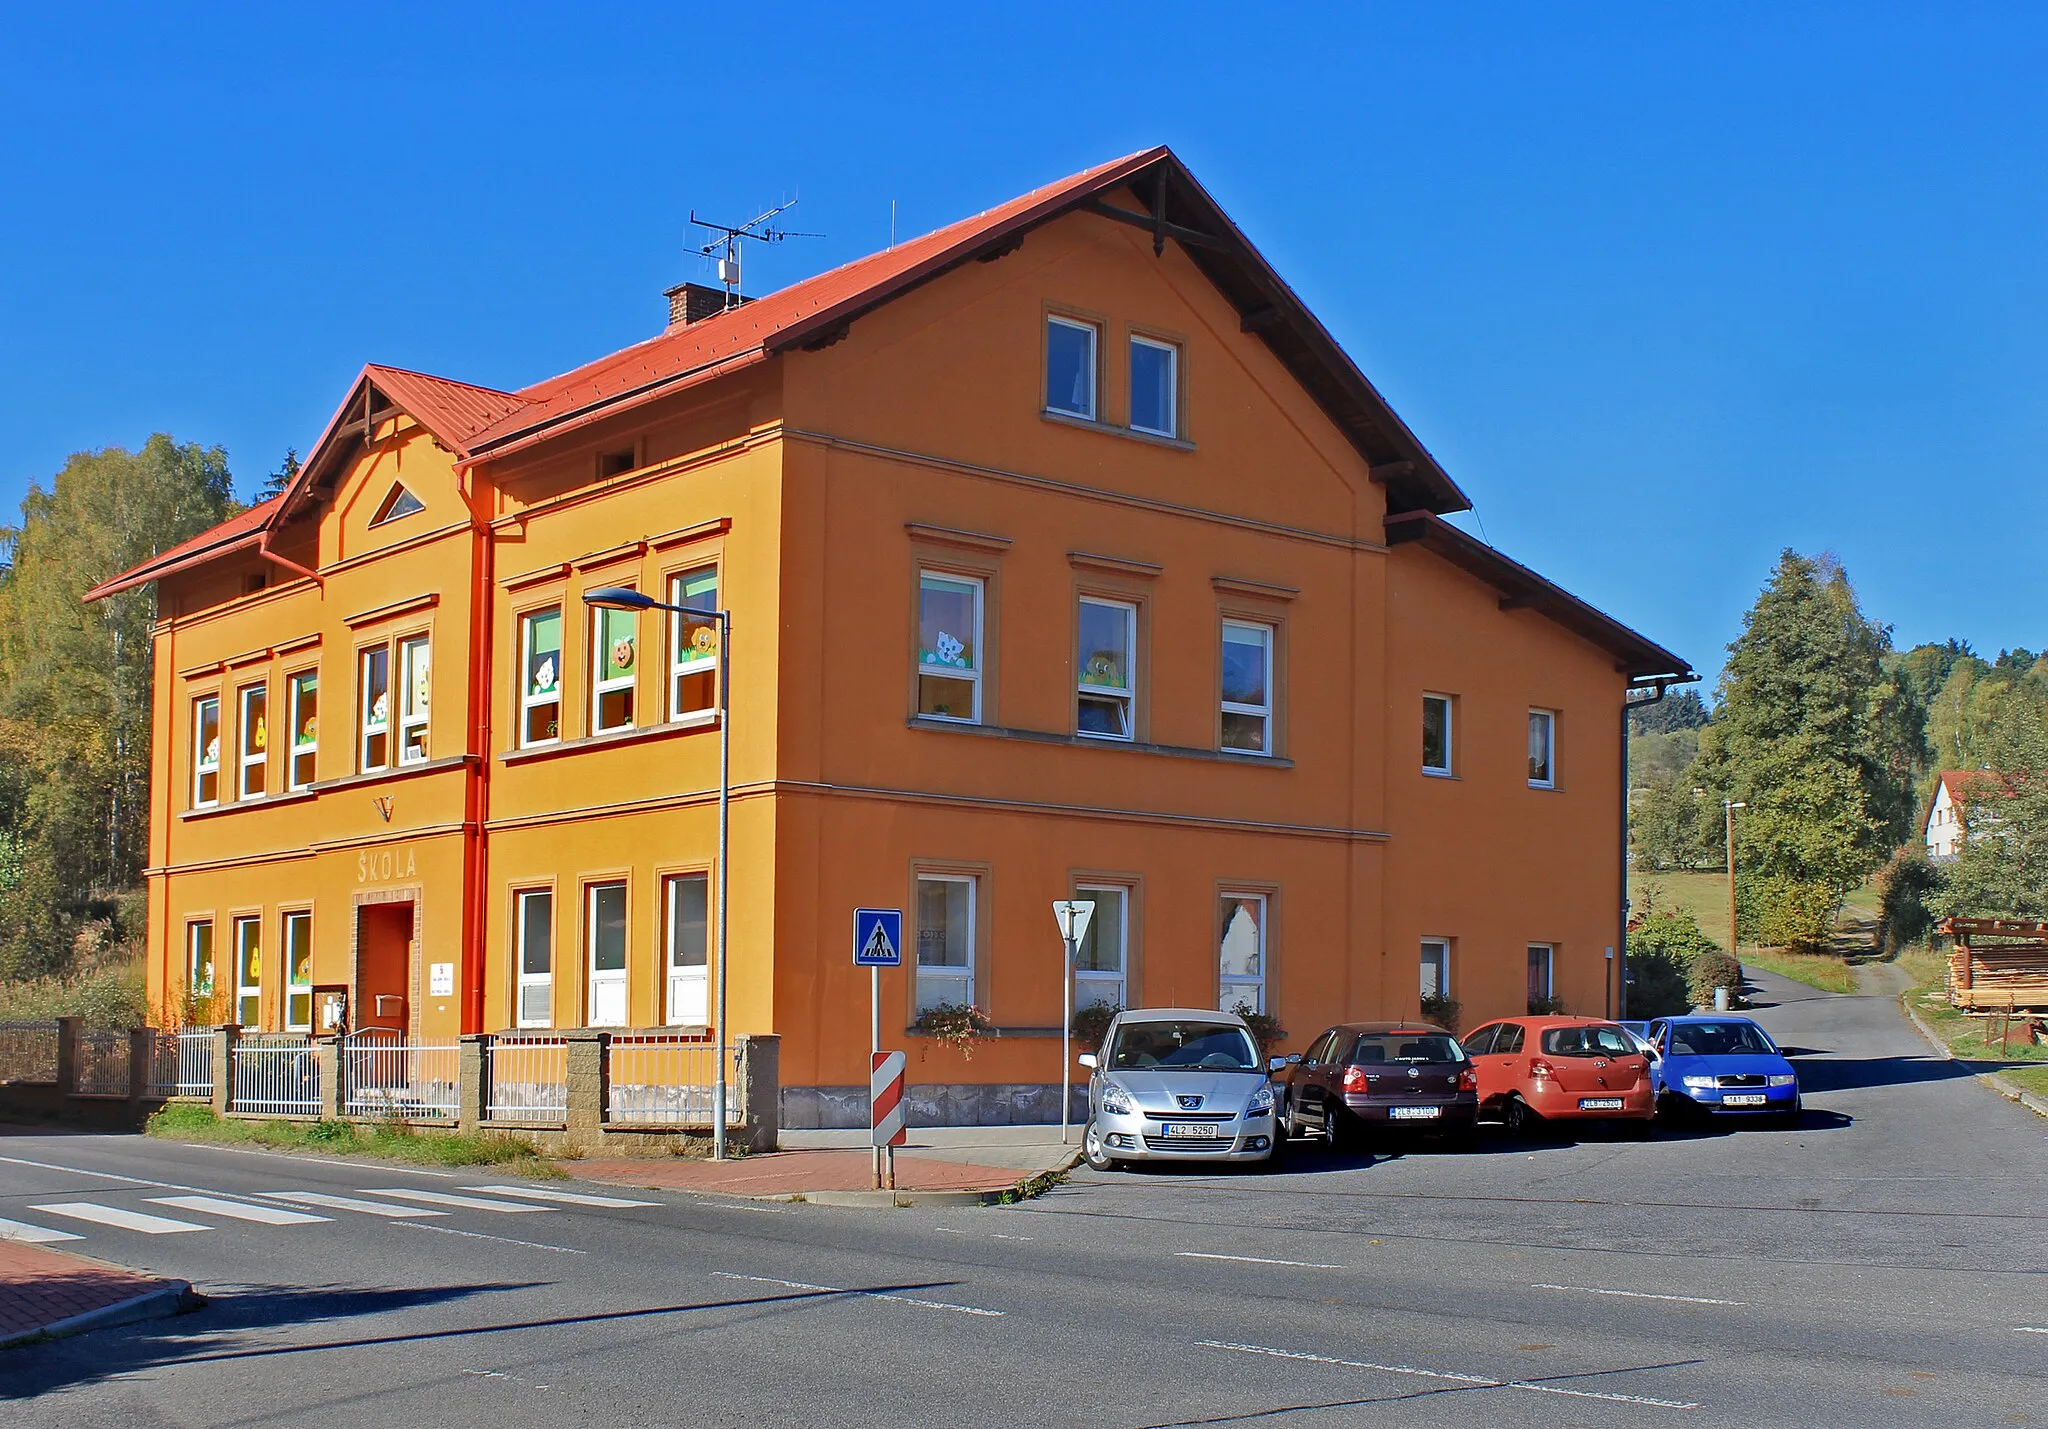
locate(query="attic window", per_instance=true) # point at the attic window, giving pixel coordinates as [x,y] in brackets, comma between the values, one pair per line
[397,503]
[615,463]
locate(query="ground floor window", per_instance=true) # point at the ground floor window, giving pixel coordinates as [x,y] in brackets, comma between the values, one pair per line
[945,939]
[533,920]
[199,969]
[1241,952]
[1542,957]
[298,971]
[1099,964]
[1436,967]
[249,971]
[605,941]
[687,908]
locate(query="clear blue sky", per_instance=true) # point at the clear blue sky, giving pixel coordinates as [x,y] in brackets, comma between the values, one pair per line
[1665,289]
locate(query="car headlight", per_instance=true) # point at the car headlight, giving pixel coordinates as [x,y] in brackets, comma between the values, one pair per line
[1261,1103]
[1698,1083]
[1784,1079]
[1115,1100]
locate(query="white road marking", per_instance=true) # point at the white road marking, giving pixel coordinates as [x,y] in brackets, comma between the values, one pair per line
[467,1203]
[570,1198]
[1638,1294]
[864,1294]
[1256,1260]
[1476,1380]
[239,1210]
[479,1235]
[2031,1329]
[349,1203]
[34,1235]
[998,1235]
[120,1219]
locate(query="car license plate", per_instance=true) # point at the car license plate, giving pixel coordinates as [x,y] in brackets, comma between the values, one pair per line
[1742,1099]
[1599,1103]
[1190,1131]
[1415,1113]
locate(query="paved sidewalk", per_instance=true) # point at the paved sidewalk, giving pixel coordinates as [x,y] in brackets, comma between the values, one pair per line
[43,1293]
[941,1164]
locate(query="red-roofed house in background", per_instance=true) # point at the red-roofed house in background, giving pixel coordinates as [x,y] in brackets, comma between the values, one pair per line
[1067,555]
[1945,827]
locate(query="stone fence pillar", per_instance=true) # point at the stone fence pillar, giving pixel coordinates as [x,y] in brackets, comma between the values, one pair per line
[469,1064]
[141,1062]
[760,1088]
[224,1039]
[68,1029]
[588,1084]
[327,1054]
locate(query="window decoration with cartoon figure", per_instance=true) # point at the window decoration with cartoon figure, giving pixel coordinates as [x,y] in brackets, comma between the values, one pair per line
[949,647]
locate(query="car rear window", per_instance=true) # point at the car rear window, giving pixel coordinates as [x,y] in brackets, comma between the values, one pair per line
[1597,1041]
[1406,1047]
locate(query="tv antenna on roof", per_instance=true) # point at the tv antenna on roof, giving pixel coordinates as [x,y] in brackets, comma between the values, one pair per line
[727,245]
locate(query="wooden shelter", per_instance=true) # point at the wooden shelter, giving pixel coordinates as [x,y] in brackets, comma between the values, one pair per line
[1999,963]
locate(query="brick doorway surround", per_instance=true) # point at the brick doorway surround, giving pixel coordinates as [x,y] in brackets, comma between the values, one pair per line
[413,991]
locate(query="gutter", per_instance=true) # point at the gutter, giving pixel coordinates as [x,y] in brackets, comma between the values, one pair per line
[263,550]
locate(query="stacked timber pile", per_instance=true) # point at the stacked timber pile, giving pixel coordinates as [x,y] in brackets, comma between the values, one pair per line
[1997,963]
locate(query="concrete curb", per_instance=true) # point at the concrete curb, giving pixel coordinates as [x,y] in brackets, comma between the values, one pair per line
[174,1297]
[899,1199]
[2004,1086]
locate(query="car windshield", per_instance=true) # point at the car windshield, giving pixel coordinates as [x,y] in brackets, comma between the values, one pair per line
[1718,1039]
[1214,1046]
[1597,1041]
[1407,1047]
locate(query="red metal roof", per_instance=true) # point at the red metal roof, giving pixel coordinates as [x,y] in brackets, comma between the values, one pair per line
[244,528]
[453,411]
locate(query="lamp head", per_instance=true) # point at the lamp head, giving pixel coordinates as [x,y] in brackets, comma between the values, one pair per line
[618,597]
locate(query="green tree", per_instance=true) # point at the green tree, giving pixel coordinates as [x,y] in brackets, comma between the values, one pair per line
[75,682]
[1683,709]
[2002,868]
[275,483]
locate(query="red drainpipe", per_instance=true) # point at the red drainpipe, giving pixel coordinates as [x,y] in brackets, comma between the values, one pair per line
[476,915]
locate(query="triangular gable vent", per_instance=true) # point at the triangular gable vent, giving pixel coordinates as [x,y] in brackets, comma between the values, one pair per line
[397,502]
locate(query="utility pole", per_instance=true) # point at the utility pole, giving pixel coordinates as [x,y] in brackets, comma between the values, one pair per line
[1731,805]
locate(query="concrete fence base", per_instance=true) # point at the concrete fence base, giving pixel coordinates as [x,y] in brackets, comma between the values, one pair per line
[937,1104]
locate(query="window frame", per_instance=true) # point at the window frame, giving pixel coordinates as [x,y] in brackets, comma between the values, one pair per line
[410,719]
[521,978]
[623,974]
[295,688]
[1443,965]
[1172,349]
[1265,712]
[528,701]
[971,676]
[1549,951]
[201,765]
[387,509]
[247,761]
[1263,925]
[294,989]
[246,991]
[1094,331]
[680,669]
[1549,719]
[1448,769]
[1129,694]
[192,988]
[1120,979]
[671,881]
[627,684]
[970,972]
[366,729]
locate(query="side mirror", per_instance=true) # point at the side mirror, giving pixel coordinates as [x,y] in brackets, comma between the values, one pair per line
[1086,1059]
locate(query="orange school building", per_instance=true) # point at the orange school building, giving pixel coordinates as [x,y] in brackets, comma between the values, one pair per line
[1066,555]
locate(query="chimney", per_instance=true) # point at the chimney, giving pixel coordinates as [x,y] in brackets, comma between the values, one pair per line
[692,303]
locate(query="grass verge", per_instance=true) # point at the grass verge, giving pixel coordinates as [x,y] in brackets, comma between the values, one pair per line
[182,1121]
[1822,970]
[1971,1038]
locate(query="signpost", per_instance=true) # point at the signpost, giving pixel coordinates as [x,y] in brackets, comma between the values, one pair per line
[1072,914]
[878,944]
[885,1095]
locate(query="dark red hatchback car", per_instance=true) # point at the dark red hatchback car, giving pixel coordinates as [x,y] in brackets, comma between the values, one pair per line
[1387,1076]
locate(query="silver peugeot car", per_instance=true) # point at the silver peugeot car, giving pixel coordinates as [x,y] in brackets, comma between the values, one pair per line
[1178,1084]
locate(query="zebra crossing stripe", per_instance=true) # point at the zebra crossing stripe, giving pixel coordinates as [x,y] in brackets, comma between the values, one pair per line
[349,1203]
[239,1210]
[33,1235]
[570,1198]
[467,1203]
[120,1219]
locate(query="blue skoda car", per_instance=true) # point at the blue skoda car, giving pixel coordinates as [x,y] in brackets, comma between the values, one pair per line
[1712,1063]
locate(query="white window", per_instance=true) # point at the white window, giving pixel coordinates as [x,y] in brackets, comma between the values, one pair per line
[1436,734]
[206,752]
[540,678]
[1155,387]
[252,740]
[298,972]
[533,919]
[1436,967]
[687,908]
[693,645]
[249,972]
[375,686]
[416,672]
[949,647]
[1241,952]
[1542,956]
[1099,963]
[1247,687]
[305,714]
[1542,749]
[1070,367]
[945,940]
[615,668]
[605,942]
[1107,641]
[199,960]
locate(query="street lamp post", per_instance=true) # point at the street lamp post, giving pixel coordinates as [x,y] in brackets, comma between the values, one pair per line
[1730,806]
[622,598]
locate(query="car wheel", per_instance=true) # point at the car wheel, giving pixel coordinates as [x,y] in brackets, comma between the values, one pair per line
[1341,1131]
[1520,1119]
[1094,1152]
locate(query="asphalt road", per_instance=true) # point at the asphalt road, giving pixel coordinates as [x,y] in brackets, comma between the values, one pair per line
[1884,1264]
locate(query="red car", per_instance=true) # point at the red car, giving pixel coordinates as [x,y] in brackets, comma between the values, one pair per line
[1537,1069]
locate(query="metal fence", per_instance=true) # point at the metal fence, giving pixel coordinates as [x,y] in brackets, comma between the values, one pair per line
[385,1075]
[667,1079]
[100,1062]
[28,1051]
[276,1073]
[181,1064]
[526,1078]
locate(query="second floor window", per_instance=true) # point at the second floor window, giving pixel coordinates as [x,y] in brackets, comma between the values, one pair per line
[206,752]
[374,684]
[1247,687]
[1542,749]
[305,717]
[693,649]
[1070,367]
[949,647]
[1436,734]
[1108,632]
[253,740]
[615,669]
[540,679]
[1155,387]
[415,671]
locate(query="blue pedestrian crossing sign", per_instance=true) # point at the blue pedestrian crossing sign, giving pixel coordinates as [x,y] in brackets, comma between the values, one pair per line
[878,937]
